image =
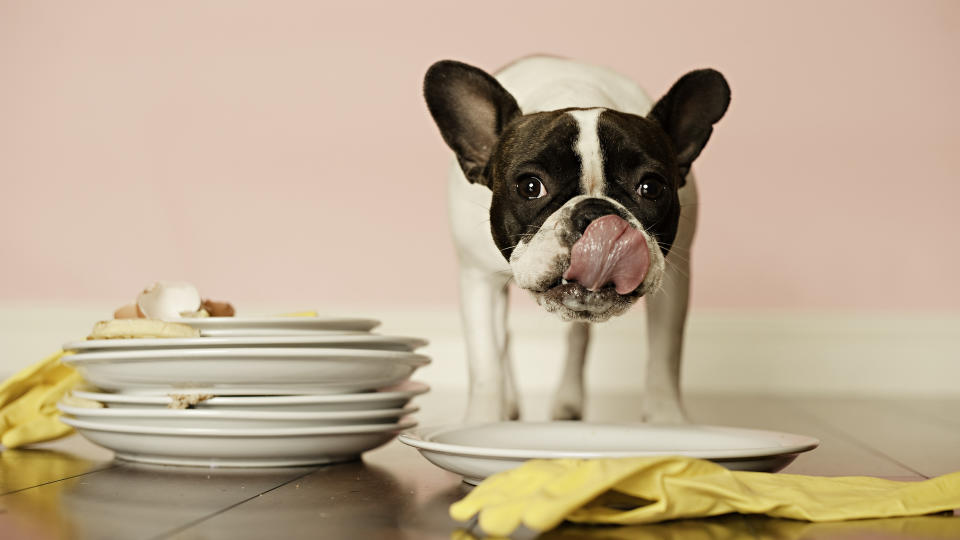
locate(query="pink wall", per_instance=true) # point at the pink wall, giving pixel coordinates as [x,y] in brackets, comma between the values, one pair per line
[280,151]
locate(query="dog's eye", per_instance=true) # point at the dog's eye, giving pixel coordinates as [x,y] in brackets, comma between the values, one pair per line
[652,187]
[530,187]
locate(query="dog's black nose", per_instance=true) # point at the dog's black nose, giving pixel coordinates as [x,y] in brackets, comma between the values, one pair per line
[584,212]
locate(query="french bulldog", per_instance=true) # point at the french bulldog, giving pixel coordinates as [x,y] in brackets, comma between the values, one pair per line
[571,183]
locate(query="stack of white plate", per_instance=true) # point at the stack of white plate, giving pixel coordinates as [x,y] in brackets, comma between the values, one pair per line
[276,391]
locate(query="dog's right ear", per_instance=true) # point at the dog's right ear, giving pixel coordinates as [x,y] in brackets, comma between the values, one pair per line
[471,109]
[688,112]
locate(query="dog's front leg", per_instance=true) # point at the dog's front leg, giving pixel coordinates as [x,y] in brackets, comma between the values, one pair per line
[568,401]
[666,319]
[483,305]
[666,316]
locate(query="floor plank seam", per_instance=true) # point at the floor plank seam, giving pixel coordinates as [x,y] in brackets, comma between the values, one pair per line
[948,423]
[840,433]
[111,466]
[198,521]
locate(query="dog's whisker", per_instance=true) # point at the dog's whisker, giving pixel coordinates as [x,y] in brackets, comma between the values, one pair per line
[684,274]
[673,263]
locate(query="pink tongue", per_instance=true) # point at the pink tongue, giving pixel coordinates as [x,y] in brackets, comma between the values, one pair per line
[610,250]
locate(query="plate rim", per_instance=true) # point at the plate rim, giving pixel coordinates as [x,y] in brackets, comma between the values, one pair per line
[106,345]
[418,438]
[417,388]
[228,353]
[185,414]
[273,322]
[240,432]
[229,463]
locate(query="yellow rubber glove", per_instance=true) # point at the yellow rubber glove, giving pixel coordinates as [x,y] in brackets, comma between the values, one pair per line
[542,493]
[28,402]
[940,527]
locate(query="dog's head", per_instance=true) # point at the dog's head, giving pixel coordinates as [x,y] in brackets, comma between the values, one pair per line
[585,205]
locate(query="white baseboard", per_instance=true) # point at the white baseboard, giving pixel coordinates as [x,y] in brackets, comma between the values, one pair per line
[853,353]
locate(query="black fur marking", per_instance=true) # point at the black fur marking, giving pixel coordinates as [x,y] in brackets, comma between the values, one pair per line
[634,148]
[688,111]
[471,109]
[539,144]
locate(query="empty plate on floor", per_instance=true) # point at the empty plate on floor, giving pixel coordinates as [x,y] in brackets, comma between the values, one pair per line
[300,370]
[270,447]
[478,451]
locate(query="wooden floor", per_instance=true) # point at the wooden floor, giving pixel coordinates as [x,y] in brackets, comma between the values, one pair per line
[72,489]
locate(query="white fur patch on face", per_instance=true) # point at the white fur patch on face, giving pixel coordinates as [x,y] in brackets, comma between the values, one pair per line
[537,261]
[588,148]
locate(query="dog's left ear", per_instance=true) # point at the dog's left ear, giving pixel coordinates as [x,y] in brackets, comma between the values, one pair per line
[688,111]
[471,109]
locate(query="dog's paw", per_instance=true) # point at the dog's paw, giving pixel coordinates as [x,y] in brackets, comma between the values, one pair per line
[566,411]
[664,412]
[568,403]
[482,413]
[567,406]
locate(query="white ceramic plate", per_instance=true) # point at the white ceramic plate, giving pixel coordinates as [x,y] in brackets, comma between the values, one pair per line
[196,418]
[339,341]
[274,447]
[278,324]
[386,398]
[267,332]
[478,451]
[299,370]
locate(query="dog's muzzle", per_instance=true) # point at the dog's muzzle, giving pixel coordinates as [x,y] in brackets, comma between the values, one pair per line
[589,261]
[610,252]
